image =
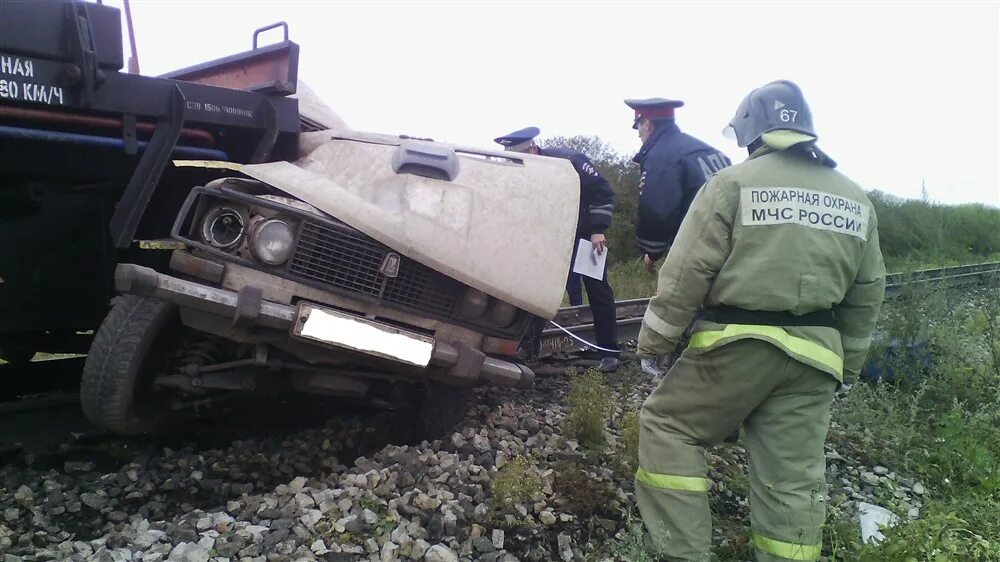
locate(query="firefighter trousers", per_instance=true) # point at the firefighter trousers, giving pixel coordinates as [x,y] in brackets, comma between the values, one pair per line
[784,406]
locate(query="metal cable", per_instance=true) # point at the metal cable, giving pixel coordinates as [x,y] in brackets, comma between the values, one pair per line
[583,341]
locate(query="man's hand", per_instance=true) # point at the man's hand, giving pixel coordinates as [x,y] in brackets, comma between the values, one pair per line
[650,263]
[597,240]
[844,388]
[656,367]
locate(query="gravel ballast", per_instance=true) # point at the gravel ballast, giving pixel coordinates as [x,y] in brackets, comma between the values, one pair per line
[337,491]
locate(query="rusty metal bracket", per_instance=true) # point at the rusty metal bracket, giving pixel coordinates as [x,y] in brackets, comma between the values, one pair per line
[270,136]
[142,184]
[84,73]
[470,363]
[248,301]
[129,134]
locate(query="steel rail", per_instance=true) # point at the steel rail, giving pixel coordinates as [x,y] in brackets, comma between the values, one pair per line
[580,320]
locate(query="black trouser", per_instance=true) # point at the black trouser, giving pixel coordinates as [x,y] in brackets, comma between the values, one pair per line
[575,289]
[602,307]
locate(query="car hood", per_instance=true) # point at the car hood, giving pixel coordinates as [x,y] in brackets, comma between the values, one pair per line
[503,224]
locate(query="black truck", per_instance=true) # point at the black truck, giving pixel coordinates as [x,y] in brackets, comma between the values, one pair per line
[294,255]
[86,151]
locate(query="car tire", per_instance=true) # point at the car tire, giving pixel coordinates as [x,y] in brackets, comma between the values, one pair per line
[442,408]
[116,390]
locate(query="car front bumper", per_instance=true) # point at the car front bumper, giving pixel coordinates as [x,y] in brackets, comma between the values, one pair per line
[463,364]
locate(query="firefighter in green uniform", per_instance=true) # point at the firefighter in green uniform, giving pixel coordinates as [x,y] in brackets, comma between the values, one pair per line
[782,254]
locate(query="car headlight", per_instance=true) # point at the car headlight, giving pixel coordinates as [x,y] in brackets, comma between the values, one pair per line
[474,304]
[503,314]
[273,242]
[223,227]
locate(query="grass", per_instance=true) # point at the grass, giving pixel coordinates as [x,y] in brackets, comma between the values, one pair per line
[585,496]
[630,544]
[630,280]
[516,483]
[952,530]
[938,421]
[916,263]
[587,409]
[627,453]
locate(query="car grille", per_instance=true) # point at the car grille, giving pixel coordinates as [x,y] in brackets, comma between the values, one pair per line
[349,260]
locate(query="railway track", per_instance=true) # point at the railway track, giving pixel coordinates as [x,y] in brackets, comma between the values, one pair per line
[580,321]
[40,398]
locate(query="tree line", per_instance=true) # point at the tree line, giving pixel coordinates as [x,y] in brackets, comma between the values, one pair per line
[913,233]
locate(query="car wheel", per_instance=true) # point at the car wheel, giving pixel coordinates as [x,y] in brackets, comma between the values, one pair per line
[132,346]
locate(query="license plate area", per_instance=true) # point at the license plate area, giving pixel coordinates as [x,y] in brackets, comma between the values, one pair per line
[346,331]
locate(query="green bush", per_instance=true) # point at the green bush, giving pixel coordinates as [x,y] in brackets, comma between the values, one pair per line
[921,233]
[517,482]
[587,409]
[583,494]
[627,453]
[987,320]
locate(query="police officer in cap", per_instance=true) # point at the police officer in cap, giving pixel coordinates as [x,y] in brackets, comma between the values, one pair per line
[674,166]
[597,204]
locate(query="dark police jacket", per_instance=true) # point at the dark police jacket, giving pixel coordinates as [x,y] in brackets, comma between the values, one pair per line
[674,166]
[597,199]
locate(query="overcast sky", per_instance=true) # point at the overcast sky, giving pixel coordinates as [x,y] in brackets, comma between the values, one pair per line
[902,93]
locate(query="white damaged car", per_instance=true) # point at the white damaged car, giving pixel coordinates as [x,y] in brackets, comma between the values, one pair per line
[395,270]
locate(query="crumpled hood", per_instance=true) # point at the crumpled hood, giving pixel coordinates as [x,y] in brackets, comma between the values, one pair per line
[504,224]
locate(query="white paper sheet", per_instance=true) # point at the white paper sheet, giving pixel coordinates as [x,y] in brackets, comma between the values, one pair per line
[873,518]
[587,261]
